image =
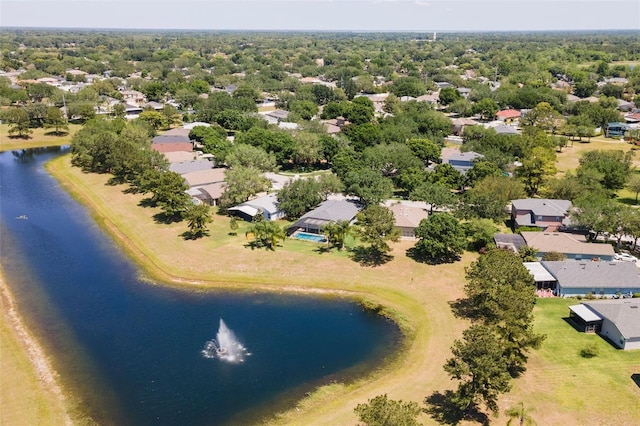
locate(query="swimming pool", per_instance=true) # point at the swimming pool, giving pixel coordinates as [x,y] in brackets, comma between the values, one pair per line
[307,236]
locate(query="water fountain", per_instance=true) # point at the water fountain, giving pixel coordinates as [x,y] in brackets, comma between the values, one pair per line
[225,346]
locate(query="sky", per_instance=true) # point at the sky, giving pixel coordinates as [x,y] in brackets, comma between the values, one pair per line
[326,15]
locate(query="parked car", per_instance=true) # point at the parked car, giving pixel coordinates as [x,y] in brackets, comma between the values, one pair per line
[625,257]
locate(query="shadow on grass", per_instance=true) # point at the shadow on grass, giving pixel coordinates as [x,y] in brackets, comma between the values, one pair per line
[147,202]
[463,308]
[24,137]
[636,379]
[58,133]
[166,219]
[442,408]
[627,200]
[188,235]
[369,256]
[419,257]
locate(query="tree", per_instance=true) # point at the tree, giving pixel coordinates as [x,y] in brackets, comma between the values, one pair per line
[633,185]
[168,189]
[377,226]
[500,293]
[436,195]
[544,117]
[298,197]
[489,197]
[233,225]
[479,365]
[241,184]
[337,232]
[613,165]
[593,213]
[446,175]
[54,119]
[479,233]
[449,95]
[243,155]
[520,414]
[265,233]
[368,185]
[198,216]
[536,166]
[155,119]
[171,115]
[486,107]
[381,411]
[553,256]
[440,237]
[18,119]
[426,150]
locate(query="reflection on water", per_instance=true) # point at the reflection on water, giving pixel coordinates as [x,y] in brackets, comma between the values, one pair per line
[131,351]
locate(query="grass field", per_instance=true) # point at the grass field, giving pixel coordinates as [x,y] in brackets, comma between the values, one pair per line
[38,139]
[569,158]
[560,384]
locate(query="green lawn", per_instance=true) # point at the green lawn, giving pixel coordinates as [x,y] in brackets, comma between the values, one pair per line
[39,138]
[561,384]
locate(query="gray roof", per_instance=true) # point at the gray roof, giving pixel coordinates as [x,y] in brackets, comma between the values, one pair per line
[573,274]
[624,313]
[504,129]
[465,156]
[543,206]
[511,241]
[190,166]
[329,211]
[170,139]
[267,203]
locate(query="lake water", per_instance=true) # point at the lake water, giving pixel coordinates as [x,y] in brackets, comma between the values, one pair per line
[130,350]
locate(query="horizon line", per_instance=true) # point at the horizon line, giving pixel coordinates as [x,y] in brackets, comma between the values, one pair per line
[237,30]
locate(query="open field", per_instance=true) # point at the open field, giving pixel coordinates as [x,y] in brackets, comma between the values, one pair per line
[39,138]
[569,158]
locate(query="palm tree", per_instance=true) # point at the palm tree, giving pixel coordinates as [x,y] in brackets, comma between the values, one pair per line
[198,216]
[337,232]
[266,234]
[520,414]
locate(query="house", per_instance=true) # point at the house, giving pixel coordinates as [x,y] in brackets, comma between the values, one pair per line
[508,115]
[461,161]
[513,242]
[542,213]
[327,212]
[616,320]
[614,130]
[179,156]
[275,117]
[211,193]
[573,246]
[408,217]
[458,125]
[600,279]
[173,140]
[266,205]
[204,177]
[184,167]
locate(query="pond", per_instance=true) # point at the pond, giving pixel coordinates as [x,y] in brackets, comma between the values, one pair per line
[131,351]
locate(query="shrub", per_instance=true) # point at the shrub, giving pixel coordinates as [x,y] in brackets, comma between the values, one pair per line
[636,295]
[590,351]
